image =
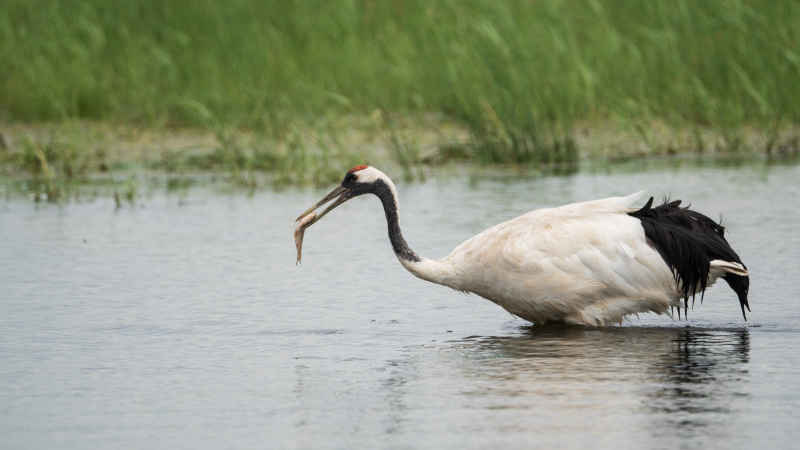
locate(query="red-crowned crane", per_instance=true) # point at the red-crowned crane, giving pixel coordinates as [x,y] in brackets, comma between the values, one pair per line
[589,263]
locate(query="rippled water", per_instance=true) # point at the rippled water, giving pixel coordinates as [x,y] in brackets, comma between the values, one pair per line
[182,322]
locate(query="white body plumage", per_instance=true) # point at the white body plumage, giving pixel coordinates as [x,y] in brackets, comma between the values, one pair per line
[584,263]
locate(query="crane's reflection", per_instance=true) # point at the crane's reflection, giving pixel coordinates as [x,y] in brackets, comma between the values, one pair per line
[668,377]
[703,374]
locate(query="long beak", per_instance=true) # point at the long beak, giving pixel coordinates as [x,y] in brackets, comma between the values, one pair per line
[343,195]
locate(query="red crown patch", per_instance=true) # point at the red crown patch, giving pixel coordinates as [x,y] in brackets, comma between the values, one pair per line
[357,168]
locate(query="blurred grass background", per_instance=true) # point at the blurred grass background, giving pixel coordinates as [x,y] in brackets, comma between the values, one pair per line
[518,75]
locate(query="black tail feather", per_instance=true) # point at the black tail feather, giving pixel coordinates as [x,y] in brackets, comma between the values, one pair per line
[688,241]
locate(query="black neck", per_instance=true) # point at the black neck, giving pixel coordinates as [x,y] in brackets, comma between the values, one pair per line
[399,244]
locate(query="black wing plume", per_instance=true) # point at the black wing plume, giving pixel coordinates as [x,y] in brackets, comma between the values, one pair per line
[688,241]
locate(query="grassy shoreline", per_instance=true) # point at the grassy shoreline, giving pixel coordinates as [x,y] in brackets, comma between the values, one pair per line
[53,154]
[518,77]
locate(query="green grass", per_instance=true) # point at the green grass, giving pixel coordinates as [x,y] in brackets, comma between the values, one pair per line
[518,75]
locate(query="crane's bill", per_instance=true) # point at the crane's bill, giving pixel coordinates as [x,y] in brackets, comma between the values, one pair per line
[309,216]
[340,191]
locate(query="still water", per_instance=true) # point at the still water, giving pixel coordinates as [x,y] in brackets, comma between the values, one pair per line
[183,322]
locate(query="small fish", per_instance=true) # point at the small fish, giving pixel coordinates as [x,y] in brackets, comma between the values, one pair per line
[303,223]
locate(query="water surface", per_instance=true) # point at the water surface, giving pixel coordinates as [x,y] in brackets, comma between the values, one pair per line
[182,322]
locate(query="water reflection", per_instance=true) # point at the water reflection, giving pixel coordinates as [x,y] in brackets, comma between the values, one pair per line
[395,390]
[702,376]
[685,377]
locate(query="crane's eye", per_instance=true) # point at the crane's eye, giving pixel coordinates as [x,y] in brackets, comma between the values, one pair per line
[349,179]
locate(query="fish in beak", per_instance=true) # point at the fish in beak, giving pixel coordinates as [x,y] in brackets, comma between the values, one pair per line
[341,194]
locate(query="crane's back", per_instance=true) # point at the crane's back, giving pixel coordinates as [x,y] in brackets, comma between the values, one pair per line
[585,263]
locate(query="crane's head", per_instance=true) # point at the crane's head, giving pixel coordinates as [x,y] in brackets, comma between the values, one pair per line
[357,181]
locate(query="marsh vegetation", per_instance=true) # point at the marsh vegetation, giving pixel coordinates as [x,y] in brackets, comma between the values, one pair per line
[302,90]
